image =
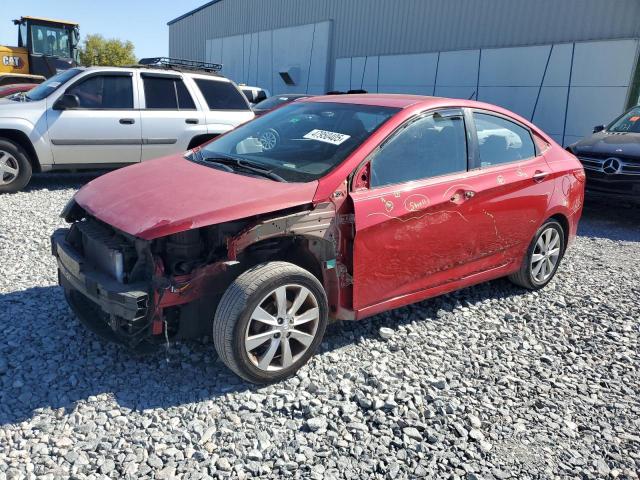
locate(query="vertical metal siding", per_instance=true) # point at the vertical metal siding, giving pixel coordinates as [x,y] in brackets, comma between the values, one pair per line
[378,27]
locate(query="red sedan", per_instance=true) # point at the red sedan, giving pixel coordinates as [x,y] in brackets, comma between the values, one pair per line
[330,208]
[6,90]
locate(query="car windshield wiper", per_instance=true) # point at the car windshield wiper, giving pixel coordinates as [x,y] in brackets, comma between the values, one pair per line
[213,163]
[244,164]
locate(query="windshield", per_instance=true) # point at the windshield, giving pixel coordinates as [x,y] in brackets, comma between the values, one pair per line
[629,122]
[301,142]
[50,40]
[50,85]
[272,102]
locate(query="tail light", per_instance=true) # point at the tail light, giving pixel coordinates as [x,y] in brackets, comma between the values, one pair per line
[579,174]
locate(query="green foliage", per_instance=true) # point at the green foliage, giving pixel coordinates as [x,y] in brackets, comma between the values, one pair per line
[97,50]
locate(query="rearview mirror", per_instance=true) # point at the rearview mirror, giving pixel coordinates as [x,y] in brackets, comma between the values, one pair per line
[598,128]
[66,102]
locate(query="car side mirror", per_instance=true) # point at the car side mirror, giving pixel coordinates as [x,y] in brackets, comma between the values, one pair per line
[67,101]
[598,128]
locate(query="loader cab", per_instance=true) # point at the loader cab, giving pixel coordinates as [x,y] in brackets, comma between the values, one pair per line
[52,45]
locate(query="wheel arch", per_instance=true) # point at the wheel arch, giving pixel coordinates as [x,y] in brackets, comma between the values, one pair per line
[564,223]
[306,252]
[20,138]
[309,239]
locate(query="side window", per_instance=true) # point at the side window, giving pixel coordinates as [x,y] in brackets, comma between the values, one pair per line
[166,93]
[430,146]
[113,92]
[185,102]
[501,141]
[221,95]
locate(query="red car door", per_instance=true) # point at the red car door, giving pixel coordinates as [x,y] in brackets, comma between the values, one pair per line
[412,225]
[513,185]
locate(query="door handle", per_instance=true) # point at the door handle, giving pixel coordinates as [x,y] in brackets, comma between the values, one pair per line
[539,175]
[127,121]
[192,121]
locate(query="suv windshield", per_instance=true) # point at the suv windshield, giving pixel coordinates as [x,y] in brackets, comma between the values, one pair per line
[300,142]
[629,122]
[50,85]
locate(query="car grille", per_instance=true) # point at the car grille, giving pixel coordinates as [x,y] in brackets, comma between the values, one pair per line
[627,166]
[106,250]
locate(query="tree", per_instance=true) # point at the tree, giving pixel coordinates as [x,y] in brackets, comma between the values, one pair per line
[97,50]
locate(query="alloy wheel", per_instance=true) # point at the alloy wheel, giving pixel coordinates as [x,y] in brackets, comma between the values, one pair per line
[282,327]
[9,168]
[546,255]
[268,139]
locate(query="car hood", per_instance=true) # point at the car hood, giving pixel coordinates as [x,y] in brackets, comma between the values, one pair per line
[606,143]
[9,108]
[171,194]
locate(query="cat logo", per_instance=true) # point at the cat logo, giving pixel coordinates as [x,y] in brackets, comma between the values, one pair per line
[11,61]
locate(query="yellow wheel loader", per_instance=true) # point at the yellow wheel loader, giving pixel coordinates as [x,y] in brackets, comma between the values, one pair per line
[45,47]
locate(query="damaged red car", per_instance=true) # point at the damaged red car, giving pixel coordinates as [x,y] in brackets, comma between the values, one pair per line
[330,208]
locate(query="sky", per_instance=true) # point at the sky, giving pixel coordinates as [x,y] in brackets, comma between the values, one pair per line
[144,22]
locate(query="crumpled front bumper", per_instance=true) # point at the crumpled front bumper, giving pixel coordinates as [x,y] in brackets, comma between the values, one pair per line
[114,310]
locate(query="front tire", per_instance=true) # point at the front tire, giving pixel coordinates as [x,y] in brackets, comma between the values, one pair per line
[270,321]
[543,257]
[15,167]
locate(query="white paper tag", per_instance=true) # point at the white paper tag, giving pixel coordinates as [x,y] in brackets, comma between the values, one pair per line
[333,138]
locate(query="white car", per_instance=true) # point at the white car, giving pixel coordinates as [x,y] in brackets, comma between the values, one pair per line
[107,117]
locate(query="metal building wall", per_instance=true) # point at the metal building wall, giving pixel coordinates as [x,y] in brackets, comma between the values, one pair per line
[380,27]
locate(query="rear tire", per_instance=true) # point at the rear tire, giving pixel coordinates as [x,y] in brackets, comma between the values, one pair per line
[15,167]
[542,258]
[270,321]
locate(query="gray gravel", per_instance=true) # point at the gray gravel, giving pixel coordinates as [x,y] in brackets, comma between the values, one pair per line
[489,382]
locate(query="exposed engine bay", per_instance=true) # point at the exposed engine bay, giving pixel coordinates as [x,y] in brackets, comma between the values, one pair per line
[175,282]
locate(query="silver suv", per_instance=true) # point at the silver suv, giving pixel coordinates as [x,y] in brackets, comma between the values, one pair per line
[107,117]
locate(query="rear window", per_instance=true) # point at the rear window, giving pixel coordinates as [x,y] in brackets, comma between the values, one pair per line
[166,93]
[221,95]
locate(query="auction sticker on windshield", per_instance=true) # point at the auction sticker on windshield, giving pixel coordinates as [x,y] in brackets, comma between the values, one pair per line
[333,138]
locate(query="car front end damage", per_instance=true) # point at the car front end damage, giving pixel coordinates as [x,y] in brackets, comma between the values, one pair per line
[140,292]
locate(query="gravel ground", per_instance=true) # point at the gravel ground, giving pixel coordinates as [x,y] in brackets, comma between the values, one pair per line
[489,382]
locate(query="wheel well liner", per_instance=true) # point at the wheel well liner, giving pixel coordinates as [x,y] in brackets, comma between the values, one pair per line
[306,252]
[22,139]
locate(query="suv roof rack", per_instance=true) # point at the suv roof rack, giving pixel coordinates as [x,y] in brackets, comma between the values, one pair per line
[179,64]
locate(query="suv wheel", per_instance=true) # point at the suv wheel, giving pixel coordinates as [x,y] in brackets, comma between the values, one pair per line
[543,257]
[270,321]
[15,168]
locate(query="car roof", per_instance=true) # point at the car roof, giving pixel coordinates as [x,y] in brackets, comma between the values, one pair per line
[292,95]
[377,99]
[146,69]
[403,101]
[419,102]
